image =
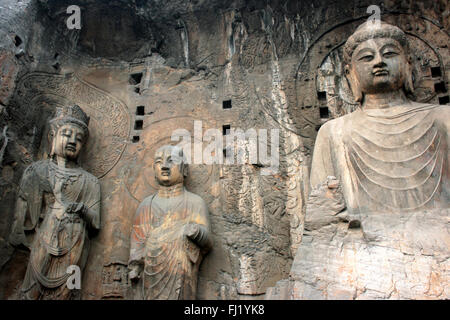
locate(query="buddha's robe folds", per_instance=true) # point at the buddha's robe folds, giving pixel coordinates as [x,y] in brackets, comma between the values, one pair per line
[390,159]
[170,259]
[60,238]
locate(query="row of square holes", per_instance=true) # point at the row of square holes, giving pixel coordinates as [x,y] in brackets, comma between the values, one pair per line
[140,111]
[323,110]
[439,87]
[139,123]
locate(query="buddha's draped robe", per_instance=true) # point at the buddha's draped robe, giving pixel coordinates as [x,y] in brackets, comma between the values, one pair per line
[60,239]
[170,260]
[387,159]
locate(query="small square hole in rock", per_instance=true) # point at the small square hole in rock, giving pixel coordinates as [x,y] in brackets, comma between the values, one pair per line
[140,111]
[138,124]
[444,100]
[439,87]
[322,95]
[324,112]
[226,129]
[436,72]
[135,78]
[226,104]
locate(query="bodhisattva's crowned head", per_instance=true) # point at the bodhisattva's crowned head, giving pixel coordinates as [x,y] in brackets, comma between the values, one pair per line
[170,167]
[377,60]
[69,130]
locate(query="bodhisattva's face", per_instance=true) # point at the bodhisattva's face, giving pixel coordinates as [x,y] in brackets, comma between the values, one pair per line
[69,141]
[168,167]
[379,65]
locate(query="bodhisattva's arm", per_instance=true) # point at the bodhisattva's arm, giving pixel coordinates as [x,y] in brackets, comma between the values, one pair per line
[92,207]
[17,235]
[28,206]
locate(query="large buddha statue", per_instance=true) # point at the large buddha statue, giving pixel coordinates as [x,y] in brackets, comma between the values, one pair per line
[58,204]
[391,154]
[171,233]
[376,220]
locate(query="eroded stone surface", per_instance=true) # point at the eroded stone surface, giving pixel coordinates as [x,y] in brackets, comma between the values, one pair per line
[280,64]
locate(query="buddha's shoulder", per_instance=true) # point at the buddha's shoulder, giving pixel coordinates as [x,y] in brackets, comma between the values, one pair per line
[195,198]
[336,125]
[440,113]
[435,108]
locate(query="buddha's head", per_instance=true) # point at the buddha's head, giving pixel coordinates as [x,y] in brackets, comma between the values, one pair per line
[377,60]
[169,166]
[69,132]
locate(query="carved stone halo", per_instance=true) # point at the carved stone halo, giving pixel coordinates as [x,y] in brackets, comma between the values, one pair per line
[140,177]
[108,131]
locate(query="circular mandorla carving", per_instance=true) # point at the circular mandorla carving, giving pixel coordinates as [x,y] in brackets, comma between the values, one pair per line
[321,70]
[140,177]
[109,124]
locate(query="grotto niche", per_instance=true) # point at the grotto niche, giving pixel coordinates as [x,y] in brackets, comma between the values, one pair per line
[295,189]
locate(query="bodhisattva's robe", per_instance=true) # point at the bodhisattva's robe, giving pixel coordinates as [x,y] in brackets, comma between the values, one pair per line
[387,159]
[60,238]
[171,260]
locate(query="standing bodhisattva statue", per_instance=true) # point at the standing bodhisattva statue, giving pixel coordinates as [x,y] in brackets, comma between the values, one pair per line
[58,203]
[171,233]
[392,153]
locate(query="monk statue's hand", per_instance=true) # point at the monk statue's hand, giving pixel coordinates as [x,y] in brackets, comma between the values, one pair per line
[134,273]
[191,230]
[76,208]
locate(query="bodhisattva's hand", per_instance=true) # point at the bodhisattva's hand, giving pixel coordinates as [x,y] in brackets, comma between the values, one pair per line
[76,208]
[134,273]
[191,230]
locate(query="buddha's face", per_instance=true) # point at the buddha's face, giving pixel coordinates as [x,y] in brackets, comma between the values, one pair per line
[168,166]
[378,65]
[69,141]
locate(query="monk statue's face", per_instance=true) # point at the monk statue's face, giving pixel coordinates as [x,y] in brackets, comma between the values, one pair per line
[378,65]
[69,140]
[169,166]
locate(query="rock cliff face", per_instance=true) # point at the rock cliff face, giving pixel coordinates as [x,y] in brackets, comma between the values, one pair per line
[144,68]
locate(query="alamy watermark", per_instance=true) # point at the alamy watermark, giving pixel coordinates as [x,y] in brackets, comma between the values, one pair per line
[239,147]
[74,21]
[74,280]
[375,18]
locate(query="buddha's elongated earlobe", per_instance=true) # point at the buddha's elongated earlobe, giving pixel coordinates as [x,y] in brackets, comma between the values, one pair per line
[409,83]
[354,84]
[185,169]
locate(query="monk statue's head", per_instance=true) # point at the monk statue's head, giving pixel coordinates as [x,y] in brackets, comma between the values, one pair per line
[69,132]
[377,60]
[170,166]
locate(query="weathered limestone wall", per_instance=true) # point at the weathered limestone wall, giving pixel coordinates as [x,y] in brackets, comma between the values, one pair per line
[278,62]
[15,31]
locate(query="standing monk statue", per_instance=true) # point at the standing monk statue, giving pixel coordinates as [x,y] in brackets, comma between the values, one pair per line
[58,203]
[171,233]
[391,154]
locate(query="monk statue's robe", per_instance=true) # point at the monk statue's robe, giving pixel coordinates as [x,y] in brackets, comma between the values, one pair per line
[60,238]
[171,260]
[387,159]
